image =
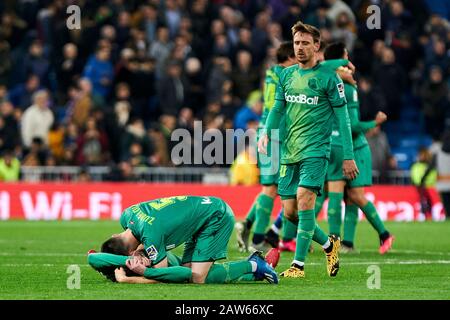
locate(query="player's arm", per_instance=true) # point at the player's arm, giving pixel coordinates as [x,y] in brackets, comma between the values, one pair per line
[336,97]
[121,277]
[336,63]
[273,119]
[160,272]
[269,100]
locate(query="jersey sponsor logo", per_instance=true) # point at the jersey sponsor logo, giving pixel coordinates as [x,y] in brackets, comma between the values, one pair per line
[152,252]
[206,200]
[302,98]
[341,90]
[170,246]
[335,133]
[355,96]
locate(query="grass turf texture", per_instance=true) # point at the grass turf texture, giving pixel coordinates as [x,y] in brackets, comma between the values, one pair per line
[34,257]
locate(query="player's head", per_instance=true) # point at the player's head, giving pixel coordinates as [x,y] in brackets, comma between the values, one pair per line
[306,41]
[115,245]
[336,50]
[123,243]
[285,53]
[320,54]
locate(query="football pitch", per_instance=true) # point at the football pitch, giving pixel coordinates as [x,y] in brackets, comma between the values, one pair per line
[35,259]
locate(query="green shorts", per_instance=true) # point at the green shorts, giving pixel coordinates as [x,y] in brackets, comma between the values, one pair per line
[309,173]
[269,164]
[363,159]
[211,241]
[334,172]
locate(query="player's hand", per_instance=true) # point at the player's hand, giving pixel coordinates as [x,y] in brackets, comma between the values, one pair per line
[380,117]
[262,144]
[351,66]
[120,274]
[350,169]
[142,259]
[136,266]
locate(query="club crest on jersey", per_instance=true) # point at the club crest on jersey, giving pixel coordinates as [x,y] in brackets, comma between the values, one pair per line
[312,83]
[341,90]
[152,252]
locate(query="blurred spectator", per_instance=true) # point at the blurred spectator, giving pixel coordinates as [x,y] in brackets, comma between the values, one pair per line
[435,94]
[382,159]
[135,133]
[251,111]
[336,7]
[194,86]
[69,68]
[423,176]
[99,71]
[9,167]
[392,80]
[36,155]
[37,119]
[219,74]
[344,30]
[371,99]
[160,49]
[443,169]
[160,156]
[9,128]
[56,141]
[92,145]
[36,63]
[244,170]
[81,102]
[245,77]
[5,62]
[171,90]
[20,95]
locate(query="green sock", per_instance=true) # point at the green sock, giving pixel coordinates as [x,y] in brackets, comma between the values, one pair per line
[264,206]
[319,235]
[230,271]
[251,215]
[335,212]
[350,221]
[306,227]
[319,202]
[372,216]
[289,230]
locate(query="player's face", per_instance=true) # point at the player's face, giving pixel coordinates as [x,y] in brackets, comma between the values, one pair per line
[304,47]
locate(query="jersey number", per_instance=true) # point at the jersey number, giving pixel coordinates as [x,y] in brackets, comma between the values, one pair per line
[164,202]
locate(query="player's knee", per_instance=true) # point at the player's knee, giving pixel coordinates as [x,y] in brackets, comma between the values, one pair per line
[357,197]
[270,191]
[198,278]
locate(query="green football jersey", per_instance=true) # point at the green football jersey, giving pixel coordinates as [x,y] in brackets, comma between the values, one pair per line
[351,93]
[270,85]
[163,224]
[309,96]
[359,138]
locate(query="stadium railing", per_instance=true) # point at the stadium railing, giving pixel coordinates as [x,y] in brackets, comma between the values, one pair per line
[205,175]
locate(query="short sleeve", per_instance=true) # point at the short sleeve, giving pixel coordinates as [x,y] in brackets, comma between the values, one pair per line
[155,248]
[279,93]
[336,91]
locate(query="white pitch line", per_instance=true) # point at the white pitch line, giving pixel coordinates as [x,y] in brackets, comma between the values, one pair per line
[43,254]
[391,261]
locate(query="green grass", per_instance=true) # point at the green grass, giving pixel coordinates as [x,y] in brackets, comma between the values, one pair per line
[34,257]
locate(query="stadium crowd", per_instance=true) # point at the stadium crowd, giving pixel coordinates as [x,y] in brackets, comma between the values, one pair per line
[111,92]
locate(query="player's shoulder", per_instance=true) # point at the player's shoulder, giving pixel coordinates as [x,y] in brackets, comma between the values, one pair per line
[287,72]
[325,70]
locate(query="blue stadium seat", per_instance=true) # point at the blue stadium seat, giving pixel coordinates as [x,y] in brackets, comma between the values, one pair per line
[405,157]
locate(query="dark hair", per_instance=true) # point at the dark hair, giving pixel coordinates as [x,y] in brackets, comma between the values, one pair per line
[334,50]
[306,28]
[285,51]
[323,45]
[115,246]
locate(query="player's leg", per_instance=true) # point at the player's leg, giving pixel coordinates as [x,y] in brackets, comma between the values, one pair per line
[335,195]
[335,183]
[357,196]
[244,228]
[263,213]
[273,234]
[355,193]
[350,222]
[320,200]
